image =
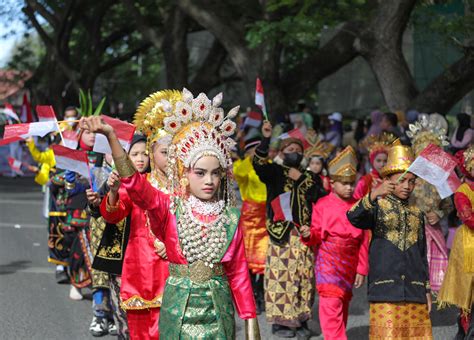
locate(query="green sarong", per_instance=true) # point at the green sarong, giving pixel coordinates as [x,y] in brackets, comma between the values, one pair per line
[196,310]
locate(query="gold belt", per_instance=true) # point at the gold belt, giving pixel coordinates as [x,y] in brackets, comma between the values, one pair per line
[57,213]
[198,272]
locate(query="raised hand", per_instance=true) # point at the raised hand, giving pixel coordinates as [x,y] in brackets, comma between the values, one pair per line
[114,181]
[384,189]
[95,124]
[93,197]
[267,129]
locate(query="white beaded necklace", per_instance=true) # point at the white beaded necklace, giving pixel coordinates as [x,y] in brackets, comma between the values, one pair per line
[202,241]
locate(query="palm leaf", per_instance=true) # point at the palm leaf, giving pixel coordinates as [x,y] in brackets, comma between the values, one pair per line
[98,109]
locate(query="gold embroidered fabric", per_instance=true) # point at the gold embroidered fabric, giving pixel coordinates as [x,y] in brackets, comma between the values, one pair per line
[57,213]
[124,166]
[137,302]
[398,222]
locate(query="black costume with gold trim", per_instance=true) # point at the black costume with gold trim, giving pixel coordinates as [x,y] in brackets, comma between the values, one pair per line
[397,255]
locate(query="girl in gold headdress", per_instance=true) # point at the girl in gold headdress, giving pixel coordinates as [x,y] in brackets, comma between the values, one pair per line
[196,221]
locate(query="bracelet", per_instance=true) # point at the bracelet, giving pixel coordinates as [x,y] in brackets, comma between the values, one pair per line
[69,185]
[124,166]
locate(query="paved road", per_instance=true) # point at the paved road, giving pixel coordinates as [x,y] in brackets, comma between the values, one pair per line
[33,306]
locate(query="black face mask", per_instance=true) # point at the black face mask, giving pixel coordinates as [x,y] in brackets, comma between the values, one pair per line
[292,159]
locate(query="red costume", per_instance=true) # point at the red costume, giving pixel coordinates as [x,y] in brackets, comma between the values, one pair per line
[144,272]
[366,184]
[342,253]
[163,224]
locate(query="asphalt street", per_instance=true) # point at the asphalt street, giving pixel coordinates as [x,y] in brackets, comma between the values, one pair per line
[33,306]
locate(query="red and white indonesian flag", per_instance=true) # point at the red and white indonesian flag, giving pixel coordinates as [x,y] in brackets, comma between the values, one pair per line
[253,119]
[70,139]
[6,141]
[437,168]
[296,133]
[281,207]
[45,113]
[259,97]
[8,111]
[26,130]
[123,130]
[74,160]
[15,165]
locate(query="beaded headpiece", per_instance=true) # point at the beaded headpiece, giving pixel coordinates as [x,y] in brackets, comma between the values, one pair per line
[199,127]
[376,144]
[428,129]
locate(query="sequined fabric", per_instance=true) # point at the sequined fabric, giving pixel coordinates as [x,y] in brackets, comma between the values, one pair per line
[193,310]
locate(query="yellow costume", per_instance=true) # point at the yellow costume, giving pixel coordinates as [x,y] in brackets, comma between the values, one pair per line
[45,159]
[252,218]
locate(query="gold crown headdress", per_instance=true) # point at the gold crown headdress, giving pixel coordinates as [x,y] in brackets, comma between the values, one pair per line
[150,115]
[319,148]
[199,127]
[428,129]
[378,143]
[343,167]
[399,159]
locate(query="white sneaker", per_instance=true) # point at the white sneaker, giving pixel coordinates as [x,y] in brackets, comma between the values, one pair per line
[75,294]
[99,326]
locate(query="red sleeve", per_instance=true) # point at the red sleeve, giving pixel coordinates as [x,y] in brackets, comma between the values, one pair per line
[362,188]
[147,197]
[123,209]
[464,208]
[315,238]
[363,264]
[237,273]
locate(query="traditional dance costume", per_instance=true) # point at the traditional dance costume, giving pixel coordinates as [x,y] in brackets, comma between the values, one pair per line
[430,129]
[398,279]
[342,250]
[289,269]
[204,245]
[458,284]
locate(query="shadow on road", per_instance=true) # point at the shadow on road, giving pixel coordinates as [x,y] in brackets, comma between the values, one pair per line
[361,332]
[13,267]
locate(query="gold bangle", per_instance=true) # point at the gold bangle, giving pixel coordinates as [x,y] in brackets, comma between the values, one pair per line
[124,166]
[252,331]
[70,186]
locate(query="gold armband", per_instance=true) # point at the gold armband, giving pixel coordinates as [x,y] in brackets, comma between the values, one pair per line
[70,186]
[124,166]
[252,331]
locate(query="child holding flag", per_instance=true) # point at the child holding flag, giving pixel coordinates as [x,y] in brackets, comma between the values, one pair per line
[289,264]
[342,258]
[399,288]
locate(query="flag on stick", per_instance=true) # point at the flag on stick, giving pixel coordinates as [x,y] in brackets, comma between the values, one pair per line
[15,165]
[8,110]
[74,160]
[437,168]
[253,119]
[260,98]
[45,113]
[296,133]
[26,114]
[26,130]
[281,207]
[6,141]
[123,130]
[70,139]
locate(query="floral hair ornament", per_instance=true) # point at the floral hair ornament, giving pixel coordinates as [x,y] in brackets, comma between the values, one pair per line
[428,129]
[199,127]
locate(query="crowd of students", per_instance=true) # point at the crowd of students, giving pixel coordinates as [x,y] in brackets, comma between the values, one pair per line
[159,241]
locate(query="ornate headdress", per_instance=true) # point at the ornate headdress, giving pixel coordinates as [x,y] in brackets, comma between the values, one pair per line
[399,159]
[150,115]
[466,161]
[198,127]
[428,129]
[319,148]
[343,167]
[376,144]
